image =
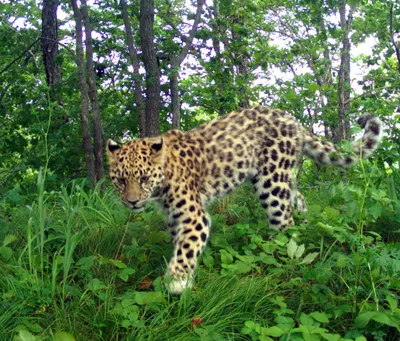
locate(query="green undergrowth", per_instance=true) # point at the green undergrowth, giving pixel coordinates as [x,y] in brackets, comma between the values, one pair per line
[77,265]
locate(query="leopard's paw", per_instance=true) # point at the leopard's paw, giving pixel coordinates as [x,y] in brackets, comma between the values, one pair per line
[176,286]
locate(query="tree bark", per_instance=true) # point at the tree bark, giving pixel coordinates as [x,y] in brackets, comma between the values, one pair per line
[97,127]
[342,130]
[216,45]
[327,76]
[241,62]
[152,106]
[176,62]
[80,62]
[135,65]
[396,45]
[175,101]
[50,44]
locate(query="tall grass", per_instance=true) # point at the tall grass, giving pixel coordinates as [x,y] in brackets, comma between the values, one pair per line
[76,261]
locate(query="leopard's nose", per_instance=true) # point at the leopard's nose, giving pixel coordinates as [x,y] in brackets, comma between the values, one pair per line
[133,203]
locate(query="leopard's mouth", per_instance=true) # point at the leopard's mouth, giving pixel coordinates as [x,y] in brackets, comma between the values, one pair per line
[137,208]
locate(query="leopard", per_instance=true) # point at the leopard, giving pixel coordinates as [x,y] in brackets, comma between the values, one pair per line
[184,171]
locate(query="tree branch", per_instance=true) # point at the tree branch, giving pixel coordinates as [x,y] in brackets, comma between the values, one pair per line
[395,45]
[192,33]
[20,56]
[29,47]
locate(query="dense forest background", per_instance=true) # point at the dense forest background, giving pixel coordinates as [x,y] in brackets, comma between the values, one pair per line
[75,264]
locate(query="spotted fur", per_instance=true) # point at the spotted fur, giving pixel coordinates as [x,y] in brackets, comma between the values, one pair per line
[184,171]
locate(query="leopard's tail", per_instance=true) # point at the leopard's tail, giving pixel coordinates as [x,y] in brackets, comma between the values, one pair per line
[327,153]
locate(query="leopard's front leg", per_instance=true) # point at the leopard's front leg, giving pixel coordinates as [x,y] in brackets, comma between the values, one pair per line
[189,230]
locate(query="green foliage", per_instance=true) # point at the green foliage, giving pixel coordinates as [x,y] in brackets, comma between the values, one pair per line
[74,264]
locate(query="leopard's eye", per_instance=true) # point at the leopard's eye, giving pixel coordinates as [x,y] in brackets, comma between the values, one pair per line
[144,179]
[121,181]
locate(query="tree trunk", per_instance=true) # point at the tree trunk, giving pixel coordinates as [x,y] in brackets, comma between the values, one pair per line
[152,107]
[216,45]
[176,63]
[326,78]
[80,62]
[97,127]
[175,102]
[50,44]
[243,79]
[396,45]
[135,65]
[342,130]
[241,61]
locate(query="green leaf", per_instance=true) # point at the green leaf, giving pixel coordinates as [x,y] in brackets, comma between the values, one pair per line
[310,258]
[392,303]
[142,298]
[63,336]
[86,263]
[299,252]
[10,238]
[240,267]
[273,331]
[24,335]
[332,214]
[343,261]
[124,274]
[119,264]
[320,317]
[291,94]
[246,259]
[269,248]
[361,338]
[313,87]
[250,324]
[157,237]
[264,338]
[33,327]
[384,318]
[363,319]
[325,86]
[208,260]
[376,210]
[246,331]
[306,320]
[95,285]
[226,258]
[6,252]
[291,248]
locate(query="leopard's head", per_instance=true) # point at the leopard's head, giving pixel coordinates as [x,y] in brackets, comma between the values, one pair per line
[137,170]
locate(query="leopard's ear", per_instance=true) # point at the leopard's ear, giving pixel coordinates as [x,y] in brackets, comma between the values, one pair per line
[111,147]
[157,145]
[157,148]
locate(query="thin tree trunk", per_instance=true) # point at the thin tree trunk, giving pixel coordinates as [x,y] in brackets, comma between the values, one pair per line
[175,65]
[326,79]
[50,44]
[97,127]
[135,65]
[242,77]
[175,102]
[152,107]
[344,75]
[216,45]
[80,62]
[396,45]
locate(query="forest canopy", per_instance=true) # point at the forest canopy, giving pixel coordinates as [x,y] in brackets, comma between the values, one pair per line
[90,71]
